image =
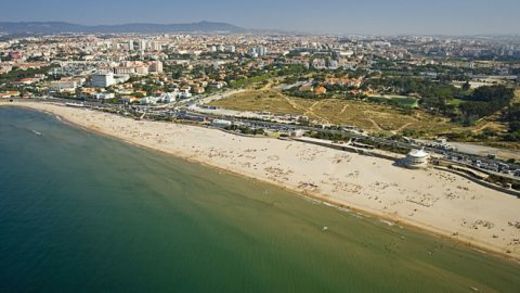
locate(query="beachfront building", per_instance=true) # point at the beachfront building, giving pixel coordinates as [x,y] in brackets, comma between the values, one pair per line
[221,123]
[298,132]
[66,84]
[102,80]
[417,159]
[104,96]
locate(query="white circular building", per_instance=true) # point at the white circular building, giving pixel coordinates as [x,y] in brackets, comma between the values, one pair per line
[417,159]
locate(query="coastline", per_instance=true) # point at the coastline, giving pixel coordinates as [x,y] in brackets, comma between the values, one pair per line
[452,207]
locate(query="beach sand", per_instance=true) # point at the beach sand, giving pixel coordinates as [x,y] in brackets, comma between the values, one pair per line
[430,199]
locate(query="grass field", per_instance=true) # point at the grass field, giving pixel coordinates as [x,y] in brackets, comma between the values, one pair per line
[372,117]
[455,102]
[258,101]
[400,101]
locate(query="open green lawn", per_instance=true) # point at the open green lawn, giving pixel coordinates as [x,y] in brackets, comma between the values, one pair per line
[455,102]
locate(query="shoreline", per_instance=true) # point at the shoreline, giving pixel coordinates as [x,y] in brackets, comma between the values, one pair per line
[466,238]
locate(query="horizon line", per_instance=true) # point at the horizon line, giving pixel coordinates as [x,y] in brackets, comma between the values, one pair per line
[288,31]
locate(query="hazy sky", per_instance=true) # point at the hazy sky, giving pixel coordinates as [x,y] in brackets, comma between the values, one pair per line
[336,16]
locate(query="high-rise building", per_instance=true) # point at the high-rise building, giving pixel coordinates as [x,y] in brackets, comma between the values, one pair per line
[142,45]
[262,51]
[253,52]
[131,45]
[155,46]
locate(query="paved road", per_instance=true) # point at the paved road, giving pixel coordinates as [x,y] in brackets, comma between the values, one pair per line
[481,150]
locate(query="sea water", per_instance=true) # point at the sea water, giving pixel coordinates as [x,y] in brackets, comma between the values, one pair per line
[83,212]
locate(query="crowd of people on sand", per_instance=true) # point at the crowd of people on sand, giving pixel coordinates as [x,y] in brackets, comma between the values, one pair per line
[429,198]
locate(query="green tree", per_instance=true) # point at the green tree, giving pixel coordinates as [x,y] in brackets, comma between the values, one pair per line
[466,86]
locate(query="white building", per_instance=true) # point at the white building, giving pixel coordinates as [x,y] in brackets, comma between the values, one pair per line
[67,84]
[168,97]
[218,84]
[185,94]
[102,80]
[333,65]
[231,49]
[104,96]
[298,132]
[319,64]
[417,159]
[262,51]
[221,123]
[142,45]
[155,46]
[148,101]
[253,52]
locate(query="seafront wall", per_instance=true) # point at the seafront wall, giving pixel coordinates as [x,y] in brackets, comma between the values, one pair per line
[481,182]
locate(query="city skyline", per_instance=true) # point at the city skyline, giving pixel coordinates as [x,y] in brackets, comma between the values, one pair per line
[347,17]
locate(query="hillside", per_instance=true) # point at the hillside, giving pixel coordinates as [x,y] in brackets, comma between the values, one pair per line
[64,27]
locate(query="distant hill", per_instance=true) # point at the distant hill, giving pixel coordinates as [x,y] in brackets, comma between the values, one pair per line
[64,27]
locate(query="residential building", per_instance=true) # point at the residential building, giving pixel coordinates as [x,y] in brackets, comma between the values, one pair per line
[156,67]
[142,45]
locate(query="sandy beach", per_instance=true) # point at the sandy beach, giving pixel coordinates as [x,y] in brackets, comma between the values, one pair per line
[430,199]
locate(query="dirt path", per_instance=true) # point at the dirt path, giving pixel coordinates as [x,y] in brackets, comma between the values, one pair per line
[343,109]
[294,105]
[374,123]
[306,111]
[403,127]
[488,124]
[267,86]
[310,110]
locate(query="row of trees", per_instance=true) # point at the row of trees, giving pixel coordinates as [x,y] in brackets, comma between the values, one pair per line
[485,101]
[18,73]
[512,117]
[436,95]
